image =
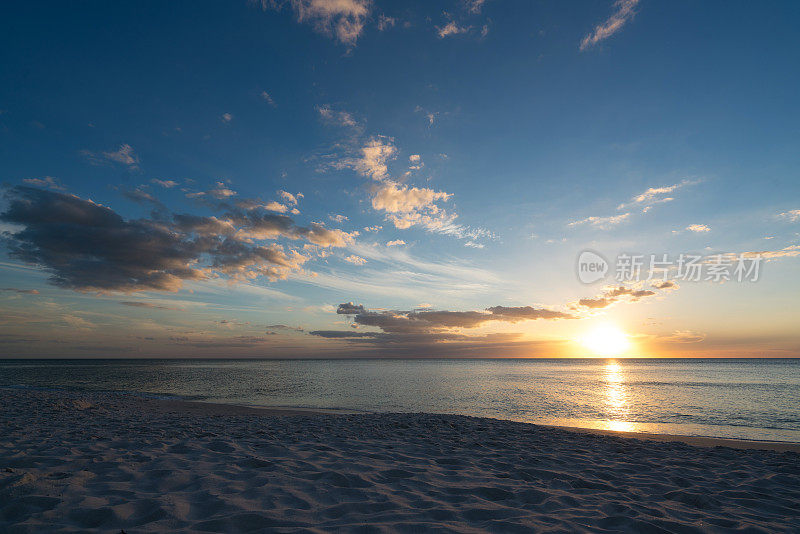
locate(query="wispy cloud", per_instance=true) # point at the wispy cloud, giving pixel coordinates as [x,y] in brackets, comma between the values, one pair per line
[266,97]
[451,28]
[624,12]
[167,184]
[655,195]
[341,19]
[604,223]
[124,155]
[339,118]
[791,215]
[698,228]
[47,181]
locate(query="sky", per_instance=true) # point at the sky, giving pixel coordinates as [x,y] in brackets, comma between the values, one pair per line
[356,178]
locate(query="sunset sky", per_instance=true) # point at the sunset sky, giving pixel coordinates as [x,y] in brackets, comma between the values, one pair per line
[327,178]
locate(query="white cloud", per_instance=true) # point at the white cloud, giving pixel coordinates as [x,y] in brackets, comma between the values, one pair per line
[414,158]
[395,198]
[655,195]
[290,198]
[603,223]
[791,215]
[337,218]
[624,12]
[395,243]
[698,228]
[226,117]
[355,260]
[275,206]
[373,160]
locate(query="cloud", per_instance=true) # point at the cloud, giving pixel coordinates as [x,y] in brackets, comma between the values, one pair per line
[604,223]
[149,305]
[355,260]
[384,22]
[612,295]
[226,117]
[268,98]
[337,218]
[290,198]
[791,251]
[451,28]
[474,6]
[343,334]
[437,321]
[349,308]
[376,228]
[167,184]
[124,155]
[89,247]
[392,197]
[526,313]
[682,336]
[373,158]
[21,291]
[624,12]
[220,192]
[342,19]
[698,228]
[792,215]
[339,118]
[395,243]
[47,181]
[141,196]
[655,195]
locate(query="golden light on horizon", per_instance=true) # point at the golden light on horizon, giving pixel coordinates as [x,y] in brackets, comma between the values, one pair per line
[606,340]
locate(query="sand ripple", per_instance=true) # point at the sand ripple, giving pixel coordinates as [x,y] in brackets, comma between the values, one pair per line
[72,462]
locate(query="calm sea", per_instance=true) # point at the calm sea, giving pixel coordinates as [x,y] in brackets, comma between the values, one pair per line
[749,399]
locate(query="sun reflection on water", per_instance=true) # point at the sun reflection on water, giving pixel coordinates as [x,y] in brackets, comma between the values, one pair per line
[616,396]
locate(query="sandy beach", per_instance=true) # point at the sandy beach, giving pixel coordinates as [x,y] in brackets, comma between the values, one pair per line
[74,462]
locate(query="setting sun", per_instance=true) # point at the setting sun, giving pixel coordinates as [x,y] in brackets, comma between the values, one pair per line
[606,340]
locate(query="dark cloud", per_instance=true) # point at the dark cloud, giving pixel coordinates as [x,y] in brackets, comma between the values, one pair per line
[666,284]
[350,309]
[89,247]
[139,304]
[421,326]
[343,334]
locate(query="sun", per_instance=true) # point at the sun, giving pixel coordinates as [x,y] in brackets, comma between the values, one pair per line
[606,340]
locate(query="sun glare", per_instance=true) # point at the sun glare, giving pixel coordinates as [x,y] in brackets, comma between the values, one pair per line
[606,340]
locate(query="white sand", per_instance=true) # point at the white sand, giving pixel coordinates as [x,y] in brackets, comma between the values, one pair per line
[77,462]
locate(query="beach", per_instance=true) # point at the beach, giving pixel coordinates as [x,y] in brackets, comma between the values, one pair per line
[111,462]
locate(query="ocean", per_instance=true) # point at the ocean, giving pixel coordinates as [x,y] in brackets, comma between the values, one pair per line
[730,398]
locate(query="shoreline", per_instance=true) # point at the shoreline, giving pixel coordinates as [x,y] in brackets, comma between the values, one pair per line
[217,408]
[210,408]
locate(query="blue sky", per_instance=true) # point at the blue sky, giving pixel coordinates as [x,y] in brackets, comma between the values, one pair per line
[409,158]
